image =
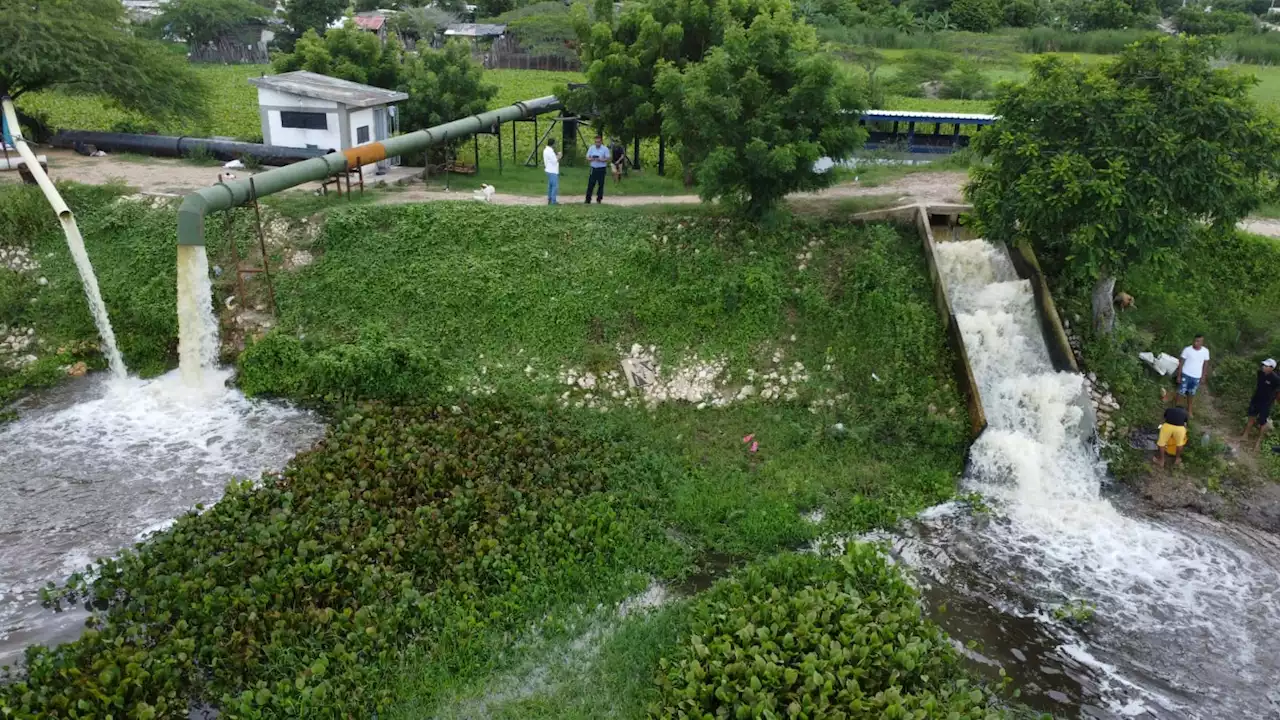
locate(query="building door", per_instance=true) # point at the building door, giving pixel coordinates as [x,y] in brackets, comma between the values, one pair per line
[381,131]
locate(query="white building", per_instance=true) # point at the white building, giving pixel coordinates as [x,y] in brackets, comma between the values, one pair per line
[304,109]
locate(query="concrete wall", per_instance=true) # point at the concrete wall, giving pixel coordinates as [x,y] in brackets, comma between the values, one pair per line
[1055,337]
[360,118]
[271,103]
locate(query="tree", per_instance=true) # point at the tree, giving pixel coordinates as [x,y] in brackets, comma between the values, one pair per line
[304,15]
[977,15]
[86,46]
[1197,20]
[755,114]
[1110,14]
[1103,167]
[443,85]
[200,22]
[621,59]
[348,53]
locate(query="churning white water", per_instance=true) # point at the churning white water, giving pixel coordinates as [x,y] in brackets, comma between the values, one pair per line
[197,326]
[101,461]
[75,242]
[1186,614]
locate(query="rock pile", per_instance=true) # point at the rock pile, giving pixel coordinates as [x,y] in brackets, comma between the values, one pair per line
[14,343]
[1104,405]
[18,259]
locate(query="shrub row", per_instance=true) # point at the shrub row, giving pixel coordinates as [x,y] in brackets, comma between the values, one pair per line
[283,365]
[287,600]
[801,636]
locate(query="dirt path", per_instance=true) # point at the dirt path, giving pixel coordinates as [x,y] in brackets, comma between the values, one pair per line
[937,187]
[167,176]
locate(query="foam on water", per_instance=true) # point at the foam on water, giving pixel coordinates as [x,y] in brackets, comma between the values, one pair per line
[1178,607]
[104,461]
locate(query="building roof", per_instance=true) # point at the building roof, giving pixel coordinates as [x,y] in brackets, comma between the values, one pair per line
[370,21]
[475,30]
[323,87]
[927,117]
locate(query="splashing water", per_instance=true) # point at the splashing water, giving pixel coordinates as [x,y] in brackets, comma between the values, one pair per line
[75,242]
[197,326]
[1187,615]
[101,462]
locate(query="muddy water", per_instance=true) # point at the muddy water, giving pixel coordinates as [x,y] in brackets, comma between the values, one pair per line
[93,466]
[1187,620]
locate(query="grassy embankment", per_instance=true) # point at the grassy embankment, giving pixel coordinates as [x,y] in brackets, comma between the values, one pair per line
[1227,288]
[448,301]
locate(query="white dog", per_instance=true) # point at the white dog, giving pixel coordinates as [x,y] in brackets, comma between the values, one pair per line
[484,194]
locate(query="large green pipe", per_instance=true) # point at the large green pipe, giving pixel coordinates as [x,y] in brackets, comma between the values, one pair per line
[226,195]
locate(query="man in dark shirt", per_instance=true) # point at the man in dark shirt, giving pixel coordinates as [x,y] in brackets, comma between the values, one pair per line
[1264,395]
[618,159]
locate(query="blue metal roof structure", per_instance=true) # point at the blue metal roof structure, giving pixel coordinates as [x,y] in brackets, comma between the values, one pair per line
[920,116]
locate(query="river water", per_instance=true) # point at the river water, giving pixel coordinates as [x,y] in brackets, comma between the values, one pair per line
[94,465]
[1187,620]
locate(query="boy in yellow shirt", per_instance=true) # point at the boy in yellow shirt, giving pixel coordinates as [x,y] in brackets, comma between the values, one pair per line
[1173,436]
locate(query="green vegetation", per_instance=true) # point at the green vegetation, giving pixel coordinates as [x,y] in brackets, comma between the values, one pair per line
[1075,611]
[203,21]
[1085,166]
[327,590]
[85,46]
[285,600]
[803,636]
[752,118]
[1225,286]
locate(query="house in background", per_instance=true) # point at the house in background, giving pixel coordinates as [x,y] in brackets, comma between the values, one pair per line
[375,22]
[305,109]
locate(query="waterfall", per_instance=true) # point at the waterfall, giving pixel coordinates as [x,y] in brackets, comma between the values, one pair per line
[75,242]
[1183,607]
[197,326]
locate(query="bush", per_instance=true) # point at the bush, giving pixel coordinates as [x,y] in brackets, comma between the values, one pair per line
[289,600]
[1195,20]
[977,15]
[1100,42]
[1256,48]
[283,365]
[1025,13]
[966,82]
[803,636]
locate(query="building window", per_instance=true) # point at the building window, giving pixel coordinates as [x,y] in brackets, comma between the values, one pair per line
[304,120]
[362,134]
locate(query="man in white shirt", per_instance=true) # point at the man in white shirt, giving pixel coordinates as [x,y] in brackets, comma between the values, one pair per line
[1192,372]
[551,163]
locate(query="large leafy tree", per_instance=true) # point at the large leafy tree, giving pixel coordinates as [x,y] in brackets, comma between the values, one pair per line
[204,21]
[87,46]
[621,59]
[443,85]
[304,15]
[348,53]
[756,113]
[1106,166]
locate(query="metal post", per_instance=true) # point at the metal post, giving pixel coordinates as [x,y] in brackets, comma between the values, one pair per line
[475,143]
[515,157]
[235,255]
[635,155]
[262,245]
[499,136]
[360,169]
[662,155]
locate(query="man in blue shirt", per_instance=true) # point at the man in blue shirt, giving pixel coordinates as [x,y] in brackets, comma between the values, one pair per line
[598,155]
